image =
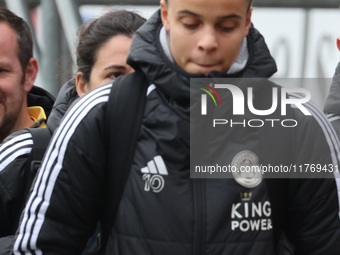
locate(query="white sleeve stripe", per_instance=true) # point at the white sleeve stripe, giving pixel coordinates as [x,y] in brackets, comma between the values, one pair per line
[54,162]
[331,138]
[42,190]
[14,140]
[22,151]
[16,146]
[45,191]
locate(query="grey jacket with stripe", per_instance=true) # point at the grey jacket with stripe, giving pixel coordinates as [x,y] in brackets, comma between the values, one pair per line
[332,105]
[163,210]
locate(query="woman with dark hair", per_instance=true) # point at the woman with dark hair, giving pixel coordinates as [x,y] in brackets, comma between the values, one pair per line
[102,49]
[102,58]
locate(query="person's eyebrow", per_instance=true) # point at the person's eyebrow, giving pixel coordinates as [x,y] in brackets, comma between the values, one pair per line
[188,12]
[231,16]
[5,65]
[115,67]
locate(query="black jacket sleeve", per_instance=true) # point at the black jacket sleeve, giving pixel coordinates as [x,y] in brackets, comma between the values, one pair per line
[15,180]
[67,193]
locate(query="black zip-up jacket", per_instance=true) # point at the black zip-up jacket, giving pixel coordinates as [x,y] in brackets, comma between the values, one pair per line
[16,174]
[13,167]
[163,210]
[10,218]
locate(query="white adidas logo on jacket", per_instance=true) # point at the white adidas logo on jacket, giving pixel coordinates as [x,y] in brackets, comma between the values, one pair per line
[152,174]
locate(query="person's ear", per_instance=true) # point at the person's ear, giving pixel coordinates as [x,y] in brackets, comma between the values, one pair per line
[248,21]
[80,84]
[31,74]
[165,15]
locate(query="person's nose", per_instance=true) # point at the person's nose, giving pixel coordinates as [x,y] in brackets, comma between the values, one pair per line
[208,40]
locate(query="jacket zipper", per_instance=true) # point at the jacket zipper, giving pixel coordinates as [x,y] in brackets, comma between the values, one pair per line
[199,217]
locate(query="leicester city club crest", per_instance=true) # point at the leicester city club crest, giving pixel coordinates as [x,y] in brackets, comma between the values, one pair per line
[248,171]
